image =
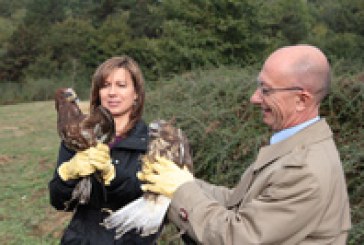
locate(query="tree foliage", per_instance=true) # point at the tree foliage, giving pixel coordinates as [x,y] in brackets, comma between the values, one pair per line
[168,37]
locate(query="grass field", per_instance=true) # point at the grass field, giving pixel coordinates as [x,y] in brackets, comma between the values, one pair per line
[28,151]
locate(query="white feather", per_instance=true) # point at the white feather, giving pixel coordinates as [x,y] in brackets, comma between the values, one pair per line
[144,215]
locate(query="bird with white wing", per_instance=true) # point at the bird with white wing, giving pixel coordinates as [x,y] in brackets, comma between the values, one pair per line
[146,214]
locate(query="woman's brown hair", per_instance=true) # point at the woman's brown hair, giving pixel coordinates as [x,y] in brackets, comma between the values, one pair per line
[104,70]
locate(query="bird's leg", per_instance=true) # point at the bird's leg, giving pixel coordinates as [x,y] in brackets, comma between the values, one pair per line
[107,210]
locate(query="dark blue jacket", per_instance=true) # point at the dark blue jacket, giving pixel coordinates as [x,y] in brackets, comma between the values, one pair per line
[85,227]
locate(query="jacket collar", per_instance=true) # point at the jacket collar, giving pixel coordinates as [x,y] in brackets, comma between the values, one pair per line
[314,133]
[137,139]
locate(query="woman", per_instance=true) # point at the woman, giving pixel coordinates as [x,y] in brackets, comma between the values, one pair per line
[118,85]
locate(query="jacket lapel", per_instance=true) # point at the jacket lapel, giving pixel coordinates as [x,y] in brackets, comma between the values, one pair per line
[269,154]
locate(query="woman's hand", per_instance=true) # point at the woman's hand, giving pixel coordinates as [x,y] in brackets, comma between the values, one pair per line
[101,161]
[87,162]
[78,166]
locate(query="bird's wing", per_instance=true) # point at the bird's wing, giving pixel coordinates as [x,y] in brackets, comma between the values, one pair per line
[69,117]
[99,125]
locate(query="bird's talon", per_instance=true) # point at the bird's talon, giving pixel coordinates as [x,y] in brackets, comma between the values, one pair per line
[107,210]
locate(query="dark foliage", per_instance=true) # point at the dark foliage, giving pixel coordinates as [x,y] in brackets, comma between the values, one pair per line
[166,37]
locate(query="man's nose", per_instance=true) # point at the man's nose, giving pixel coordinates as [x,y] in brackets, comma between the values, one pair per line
[256,97]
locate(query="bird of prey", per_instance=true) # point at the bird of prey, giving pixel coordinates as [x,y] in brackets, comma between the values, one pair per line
[146,214]
[80,132]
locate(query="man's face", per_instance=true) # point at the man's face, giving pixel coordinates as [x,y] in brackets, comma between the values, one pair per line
[277,98]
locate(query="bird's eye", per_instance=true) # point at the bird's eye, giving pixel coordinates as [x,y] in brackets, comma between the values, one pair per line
[67,94]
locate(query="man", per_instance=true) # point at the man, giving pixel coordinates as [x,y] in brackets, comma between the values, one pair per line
[295,191]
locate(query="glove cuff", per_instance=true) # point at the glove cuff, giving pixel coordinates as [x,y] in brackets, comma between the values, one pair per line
[63,171]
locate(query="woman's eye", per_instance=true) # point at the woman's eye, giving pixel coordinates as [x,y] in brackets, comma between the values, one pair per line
[105,85]
[121,85]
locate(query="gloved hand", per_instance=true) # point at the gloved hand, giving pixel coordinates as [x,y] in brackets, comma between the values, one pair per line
[164,177]
[101,161]
[78,166]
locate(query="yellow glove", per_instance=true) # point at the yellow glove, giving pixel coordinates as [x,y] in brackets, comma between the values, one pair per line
[101,161]
[77,167]
[164,177]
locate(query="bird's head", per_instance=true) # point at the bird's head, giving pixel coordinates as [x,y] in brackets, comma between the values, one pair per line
[163,129]
[168,141]
[65,95]
[70,95]
[155,127]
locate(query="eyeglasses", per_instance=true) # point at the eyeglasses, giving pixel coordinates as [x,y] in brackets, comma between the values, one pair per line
[265,91]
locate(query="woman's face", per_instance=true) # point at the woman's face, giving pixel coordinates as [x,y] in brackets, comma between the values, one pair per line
[118,93]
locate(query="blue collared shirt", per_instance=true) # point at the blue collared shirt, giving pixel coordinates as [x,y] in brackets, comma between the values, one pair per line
[288,132]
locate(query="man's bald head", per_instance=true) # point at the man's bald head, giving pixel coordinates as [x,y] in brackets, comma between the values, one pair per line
[304,66]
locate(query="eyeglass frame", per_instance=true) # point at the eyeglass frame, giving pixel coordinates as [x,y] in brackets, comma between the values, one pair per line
[268,91]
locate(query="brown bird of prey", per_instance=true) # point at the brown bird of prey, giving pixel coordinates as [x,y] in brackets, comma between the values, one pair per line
[147,213]
[80,132]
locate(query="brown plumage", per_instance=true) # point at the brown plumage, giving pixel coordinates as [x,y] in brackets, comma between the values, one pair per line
[165,140]
[77,130]
[147,213]
[80,132]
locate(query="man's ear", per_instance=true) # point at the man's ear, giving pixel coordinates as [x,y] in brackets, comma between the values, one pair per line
[304,100]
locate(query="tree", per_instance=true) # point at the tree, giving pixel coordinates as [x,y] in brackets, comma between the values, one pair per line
[21,50]
[23,46]
[110,39]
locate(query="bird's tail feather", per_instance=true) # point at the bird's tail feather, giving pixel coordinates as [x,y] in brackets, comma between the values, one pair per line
[81,192]
[145,215]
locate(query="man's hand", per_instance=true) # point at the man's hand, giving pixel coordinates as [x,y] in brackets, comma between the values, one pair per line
[101,161]
[164,177]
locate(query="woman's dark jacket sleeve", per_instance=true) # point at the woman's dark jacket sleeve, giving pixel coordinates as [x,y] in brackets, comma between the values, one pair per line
[61,191]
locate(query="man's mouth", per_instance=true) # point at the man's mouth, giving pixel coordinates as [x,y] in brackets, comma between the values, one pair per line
[266,110]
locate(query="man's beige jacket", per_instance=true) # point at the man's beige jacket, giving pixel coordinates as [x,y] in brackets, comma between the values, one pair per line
[294,193]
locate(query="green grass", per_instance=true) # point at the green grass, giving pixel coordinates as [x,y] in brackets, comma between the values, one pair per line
[28,148]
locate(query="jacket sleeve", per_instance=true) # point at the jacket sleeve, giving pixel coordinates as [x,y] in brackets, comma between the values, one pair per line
[279,215]
[61,191]
[218,193]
